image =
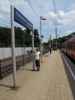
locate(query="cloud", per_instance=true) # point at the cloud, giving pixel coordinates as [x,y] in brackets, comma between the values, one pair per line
[69,18]
[1,16]
[61,13]
[64,18]
[4,7]
[52,15]
[56,17]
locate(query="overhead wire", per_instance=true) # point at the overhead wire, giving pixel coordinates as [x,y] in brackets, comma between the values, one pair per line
[30,4]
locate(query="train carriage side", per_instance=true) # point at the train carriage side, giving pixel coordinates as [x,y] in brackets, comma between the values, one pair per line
[69,48]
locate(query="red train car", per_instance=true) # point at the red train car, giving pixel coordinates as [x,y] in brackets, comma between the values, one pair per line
[68,47]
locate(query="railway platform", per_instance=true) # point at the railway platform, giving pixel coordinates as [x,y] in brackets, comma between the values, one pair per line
[50,83]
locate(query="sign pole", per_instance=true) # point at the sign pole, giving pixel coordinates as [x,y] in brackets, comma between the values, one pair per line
[13,46]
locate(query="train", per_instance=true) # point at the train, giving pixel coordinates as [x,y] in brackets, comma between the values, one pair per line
[68,47]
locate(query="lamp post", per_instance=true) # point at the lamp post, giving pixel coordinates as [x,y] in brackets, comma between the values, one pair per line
[41,18]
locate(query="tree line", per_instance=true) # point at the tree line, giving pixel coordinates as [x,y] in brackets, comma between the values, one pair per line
[22,37]
[59,41]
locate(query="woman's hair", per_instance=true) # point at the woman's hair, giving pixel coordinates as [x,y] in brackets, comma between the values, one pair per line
[37,49]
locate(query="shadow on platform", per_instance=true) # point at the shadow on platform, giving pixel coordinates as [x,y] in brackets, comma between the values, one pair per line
[28,69]
[9,86]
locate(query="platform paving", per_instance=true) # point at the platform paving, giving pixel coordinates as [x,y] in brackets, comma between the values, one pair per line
[50,83]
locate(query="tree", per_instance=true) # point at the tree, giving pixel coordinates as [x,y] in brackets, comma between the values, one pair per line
[5,37]
[27,38]
[19,37]
[36,38]
[22,37]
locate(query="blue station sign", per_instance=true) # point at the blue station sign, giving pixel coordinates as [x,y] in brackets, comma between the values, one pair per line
[22,20]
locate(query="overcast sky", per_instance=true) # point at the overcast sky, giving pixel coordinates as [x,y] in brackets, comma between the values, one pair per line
[65,14]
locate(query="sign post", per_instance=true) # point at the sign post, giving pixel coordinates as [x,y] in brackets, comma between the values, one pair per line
[19,18]
[13,45]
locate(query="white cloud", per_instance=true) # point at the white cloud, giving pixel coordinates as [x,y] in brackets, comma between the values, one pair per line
[69,18]
[61,13]
[4,7]
[56,17]
[1,16]
[52,15]
[64,18]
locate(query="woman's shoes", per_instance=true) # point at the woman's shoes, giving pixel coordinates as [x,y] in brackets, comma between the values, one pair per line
[38,69]
[33,70]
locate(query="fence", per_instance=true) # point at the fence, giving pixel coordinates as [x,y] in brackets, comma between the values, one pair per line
[23,56]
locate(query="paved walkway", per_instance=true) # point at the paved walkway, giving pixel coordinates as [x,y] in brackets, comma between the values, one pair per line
[50,83]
